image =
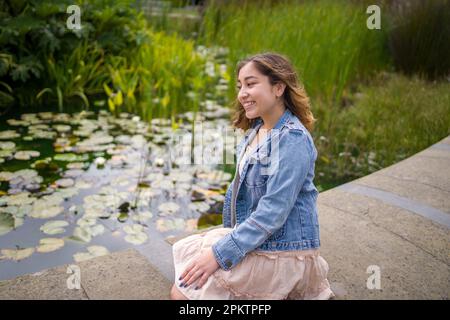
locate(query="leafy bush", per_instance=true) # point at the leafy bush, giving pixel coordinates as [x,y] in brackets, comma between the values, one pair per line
[42,61]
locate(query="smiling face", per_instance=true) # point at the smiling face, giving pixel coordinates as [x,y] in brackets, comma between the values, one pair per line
[256,94]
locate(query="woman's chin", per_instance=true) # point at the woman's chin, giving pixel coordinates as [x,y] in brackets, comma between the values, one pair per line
[251,115]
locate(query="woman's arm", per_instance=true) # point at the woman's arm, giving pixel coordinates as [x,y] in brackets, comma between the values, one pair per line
[292,165]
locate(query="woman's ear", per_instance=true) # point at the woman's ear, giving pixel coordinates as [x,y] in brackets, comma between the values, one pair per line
[279,89]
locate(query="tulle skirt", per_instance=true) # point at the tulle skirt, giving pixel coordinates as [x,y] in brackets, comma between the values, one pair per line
[275,275]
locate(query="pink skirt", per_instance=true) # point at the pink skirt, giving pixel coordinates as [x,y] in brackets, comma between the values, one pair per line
[273,275]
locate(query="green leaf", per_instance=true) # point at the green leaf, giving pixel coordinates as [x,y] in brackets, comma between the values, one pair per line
[41,93]
[107,90]
[60,99]
[118,99]
[83,97]
[111,105]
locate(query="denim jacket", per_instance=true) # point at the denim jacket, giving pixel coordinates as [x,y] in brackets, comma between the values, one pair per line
[272,206]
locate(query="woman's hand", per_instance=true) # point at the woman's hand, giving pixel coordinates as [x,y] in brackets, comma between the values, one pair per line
[201,268]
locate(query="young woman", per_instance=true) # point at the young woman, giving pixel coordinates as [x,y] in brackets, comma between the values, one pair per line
[268,247]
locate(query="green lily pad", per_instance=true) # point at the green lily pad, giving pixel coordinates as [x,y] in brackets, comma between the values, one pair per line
[6,153]
[49,245]
[16,254]
[81,234]
[142,217]
[123,216]
[9,134]
[136,239]
[6,223]
[7,145]
[168,208]
[199,206]
[64,183]
[77,165]
[164,225]
[26,154]
[135,234]
[54,227]
[46,212]
[62,128]
[6,176]
[19,199]
[70,157]
[93,252]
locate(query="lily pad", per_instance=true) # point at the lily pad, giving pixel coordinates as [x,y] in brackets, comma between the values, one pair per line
[6,176]
[7,154]
[64,183]
[136,239]
[81,234]
[8,134]
[93,252]
[19,199]
[62,128]
[7,145]
[100,161]
[6,223]
[142,217]
[54,227]
[49,245]
[16,254]
[73,173]
[164,225]
[123,216]
[71,157]
[199,206]
[87,228]
[168,208]
[26,154]
[45,213]
[77,165]
[135,234]
[181,176]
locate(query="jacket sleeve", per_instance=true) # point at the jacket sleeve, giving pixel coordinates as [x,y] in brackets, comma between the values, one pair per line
[292,165]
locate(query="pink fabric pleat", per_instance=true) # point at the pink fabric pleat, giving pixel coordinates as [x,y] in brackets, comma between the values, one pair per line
[273,275]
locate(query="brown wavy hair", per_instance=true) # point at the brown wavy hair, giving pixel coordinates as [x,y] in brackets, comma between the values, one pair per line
[279,69]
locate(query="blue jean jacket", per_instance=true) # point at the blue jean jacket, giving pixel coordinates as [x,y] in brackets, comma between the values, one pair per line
[272,206]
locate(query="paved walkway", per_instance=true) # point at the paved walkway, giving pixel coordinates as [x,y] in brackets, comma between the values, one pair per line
[394,222]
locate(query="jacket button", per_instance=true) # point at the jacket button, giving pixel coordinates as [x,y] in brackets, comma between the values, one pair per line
[228,264]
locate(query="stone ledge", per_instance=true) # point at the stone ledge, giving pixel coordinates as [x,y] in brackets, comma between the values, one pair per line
[120,275]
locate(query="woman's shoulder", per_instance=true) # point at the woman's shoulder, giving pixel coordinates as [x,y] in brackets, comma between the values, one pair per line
[296,134]
[295,130]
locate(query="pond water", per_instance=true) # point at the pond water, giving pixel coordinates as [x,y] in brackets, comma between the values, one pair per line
[80,185]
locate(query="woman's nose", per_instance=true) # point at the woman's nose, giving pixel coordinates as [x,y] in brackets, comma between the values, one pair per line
[242,93]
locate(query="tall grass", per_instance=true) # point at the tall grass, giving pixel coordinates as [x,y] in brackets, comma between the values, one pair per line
[419,37]
[388,121]
[327,41]
[163,77]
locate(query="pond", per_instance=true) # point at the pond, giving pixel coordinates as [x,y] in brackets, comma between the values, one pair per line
[80,185]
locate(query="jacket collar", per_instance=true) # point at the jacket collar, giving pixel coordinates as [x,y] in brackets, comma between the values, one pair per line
[285,117]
